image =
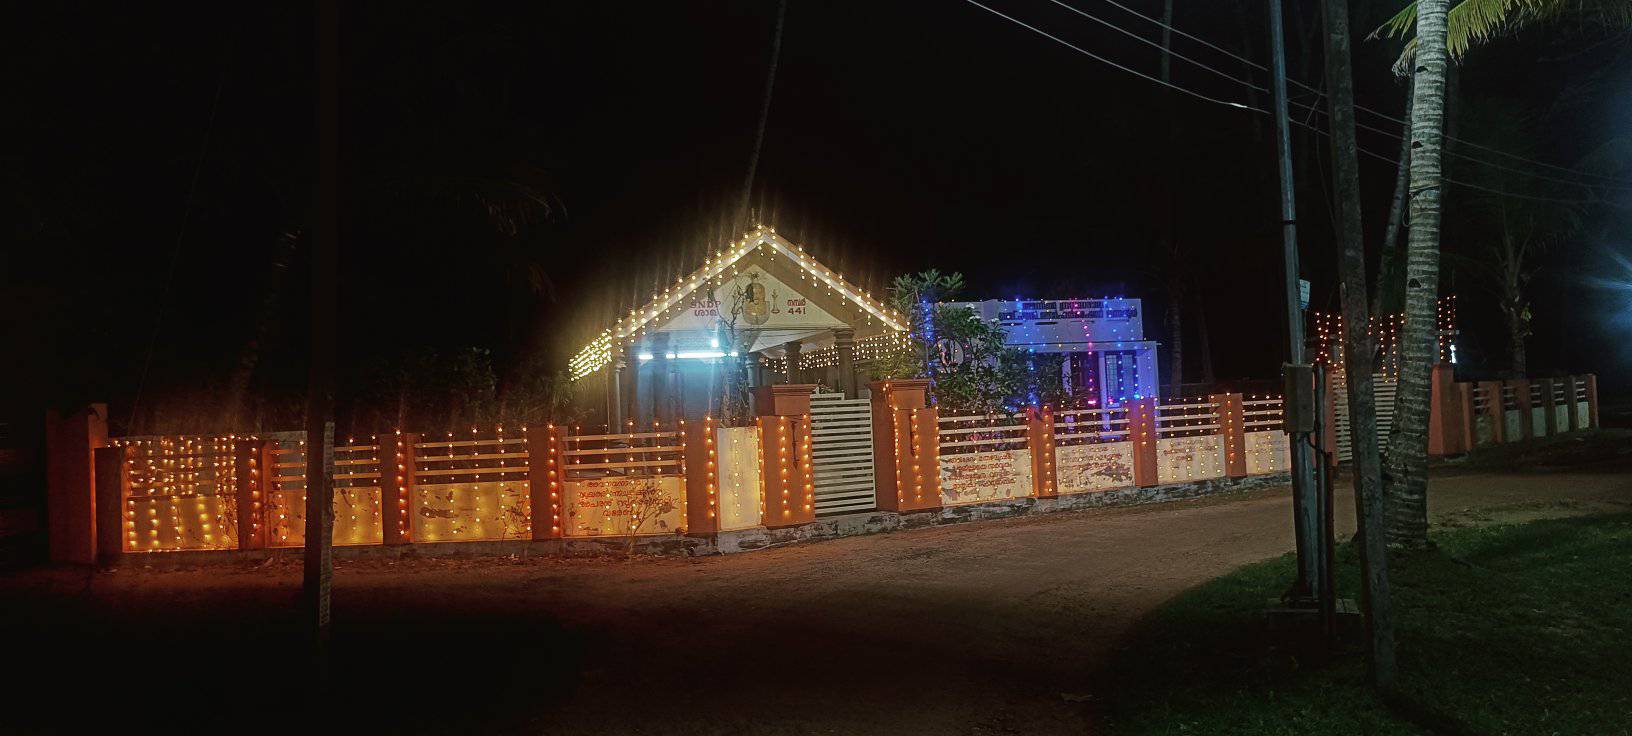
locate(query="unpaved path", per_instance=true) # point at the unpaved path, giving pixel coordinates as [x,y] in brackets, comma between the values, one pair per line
[989,627]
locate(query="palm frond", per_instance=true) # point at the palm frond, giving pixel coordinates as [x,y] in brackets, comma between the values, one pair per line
[1473,22]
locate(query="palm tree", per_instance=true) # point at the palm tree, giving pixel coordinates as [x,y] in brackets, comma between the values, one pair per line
[1405,472]
[1441,31]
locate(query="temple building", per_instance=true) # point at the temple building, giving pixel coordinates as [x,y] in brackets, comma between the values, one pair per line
[763,307]
[770,312]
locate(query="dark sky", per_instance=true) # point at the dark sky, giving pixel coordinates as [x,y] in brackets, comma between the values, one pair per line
[902,136]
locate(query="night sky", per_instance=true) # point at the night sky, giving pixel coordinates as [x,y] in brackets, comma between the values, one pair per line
[901,136]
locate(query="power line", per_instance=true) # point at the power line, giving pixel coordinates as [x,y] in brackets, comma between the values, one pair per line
[1452,152]
[1104,60]
[1318,94]
[1167,51]
[1242,106]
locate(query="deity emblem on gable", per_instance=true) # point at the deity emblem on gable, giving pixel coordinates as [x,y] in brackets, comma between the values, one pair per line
[756,308]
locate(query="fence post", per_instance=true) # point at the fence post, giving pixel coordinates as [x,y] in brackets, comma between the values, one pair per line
[921,462]
[1521,397]
[787,475]
[1232,432]
[396,487]
[112,493]
[1495,410]
[71,481]
[1142,432]
[1445,415]
[1591,380]
[1549,412]
[892,436]
[1572,407]
[1040,441]
[545,471]
[1470,429]
[702,478]
[252,461]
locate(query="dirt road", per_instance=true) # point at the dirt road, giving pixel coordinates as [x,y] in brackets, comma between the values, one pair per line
[989,627]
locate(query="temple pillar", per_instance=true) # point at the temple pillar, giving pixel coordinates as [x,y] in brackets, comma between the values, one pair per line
[614,393]
[631,389]
[660,381]
[844,343]
[790,353]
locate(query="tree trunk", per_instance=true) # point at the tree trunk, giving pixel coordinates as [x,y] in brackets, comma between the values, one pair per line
[1169,244]
[1520,360]
[265,319]
[1175,330]
[319,546]
[1204,343]
[1406,473]
[1357,358]
[1390,296]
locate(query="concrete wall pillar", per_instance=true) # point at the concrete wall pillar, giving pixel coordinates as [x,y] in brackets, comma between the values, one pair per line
[1470,435]
[702,477]
[1232,430]
[1572,406]
[1549,404]
[1040,441]
[1445,417]
[70,442]
[787,470]
[252,461]
[1494,409]
[906,467]
[397,487]
[113,523]
[1521,397]
[546,472]
[1591,379]
[1142,433]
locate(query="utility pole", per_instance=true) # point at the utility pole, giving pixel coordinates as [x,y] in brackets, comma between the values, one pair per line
[1306,501]
[319,544]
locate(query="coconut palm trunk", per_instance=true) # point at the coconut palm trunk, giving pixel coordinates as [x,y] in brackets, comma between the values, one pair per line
[1390,296]
[1368,497]
[1405,474]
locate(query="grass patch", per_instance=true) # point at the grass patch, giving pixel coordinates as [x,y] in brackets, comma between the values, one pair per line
[1522,629]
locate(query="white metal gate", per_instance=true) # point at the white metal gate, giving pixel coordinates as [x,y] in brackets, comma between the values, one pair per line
[842,445]
[1383,388]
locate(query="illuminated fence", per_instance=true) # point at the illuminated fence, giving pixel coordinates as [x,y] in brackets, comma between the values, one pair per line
[1190,441]
[619,484]
[170,494]
[984,458]
[241,492]
[1092,451]
[1265,444]
[179,493]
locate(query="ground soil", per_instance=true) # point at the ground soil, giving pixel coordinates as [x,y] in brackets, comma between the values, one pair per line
[981,628]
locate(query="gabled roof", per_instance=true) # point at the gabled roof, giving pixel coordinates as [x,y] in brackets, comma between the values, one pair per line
[759,247]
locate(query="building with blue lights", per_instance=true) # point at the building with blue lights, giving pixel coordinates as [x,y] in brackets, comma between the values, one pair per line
[1108,360]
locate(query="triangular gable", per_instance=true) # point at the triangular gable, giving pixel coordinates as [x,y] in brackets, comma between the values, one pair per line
[829,300]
